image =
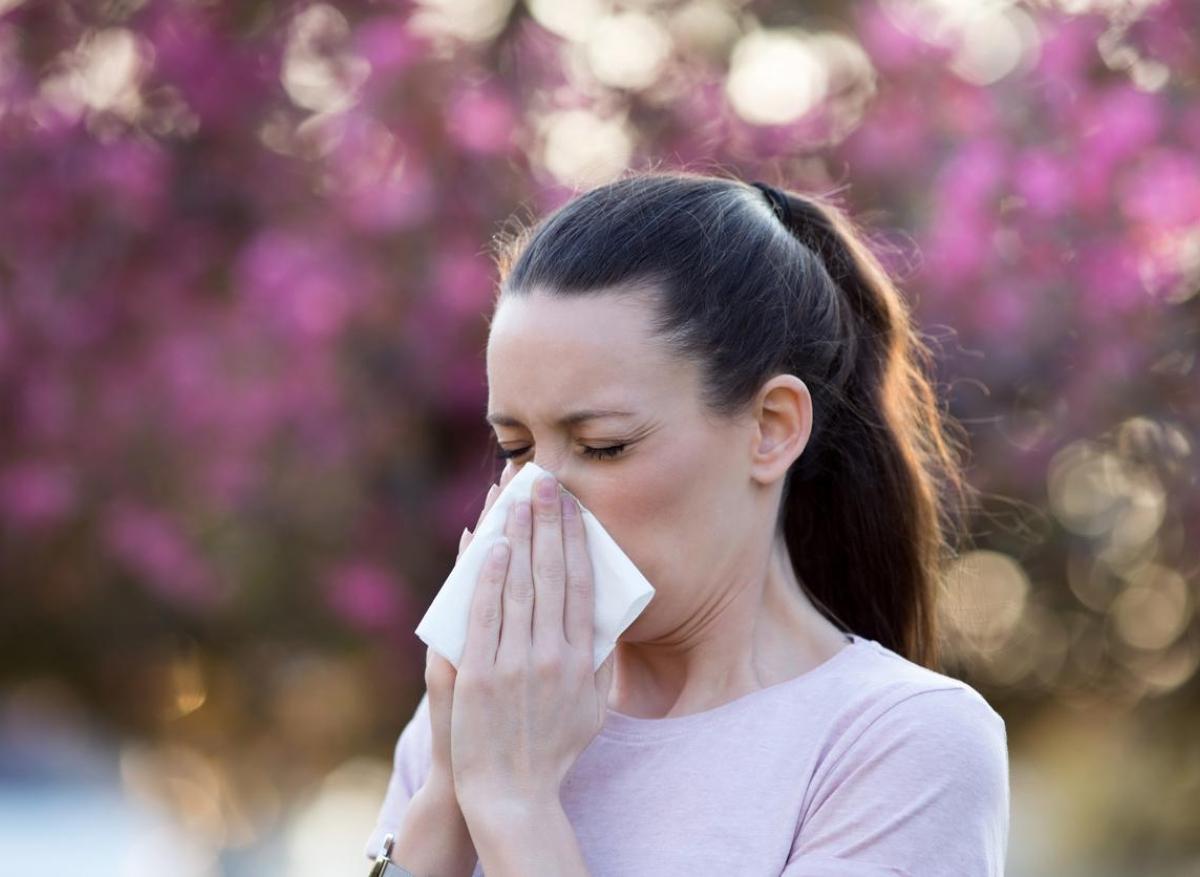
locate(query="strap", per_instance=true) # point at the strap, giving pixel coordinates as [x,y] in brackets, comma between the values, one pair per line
[391,869]
[384,866]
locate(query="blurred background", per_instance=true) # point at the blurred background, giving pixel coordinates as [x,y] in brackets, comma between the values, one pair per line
[244,281]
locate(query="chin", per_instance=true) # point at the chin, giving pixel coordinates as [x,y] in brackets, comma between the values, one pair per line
[638,631]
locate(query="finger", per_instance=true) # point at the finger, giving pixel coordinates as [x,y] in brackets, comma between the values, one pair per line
[483,626]
[436,665]
[549,568]
[580,593]
[516,635]
[439,676]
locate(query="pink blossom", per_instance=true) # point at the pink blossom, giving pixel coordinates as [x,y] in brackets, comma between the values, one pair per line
[1118,121]
[366,595]
[389,45]
[891,138]
[891,49]
[1069,46]
[481,119]
[47,410]
[134,175]
[299,288]
[1004,309]
[463,278]
[971,179]
[1043,179]
[152,547]
[381,180]
[954,252]
[1168,34]
[37,493]
[1163,189]
[6,343]
[1108,280]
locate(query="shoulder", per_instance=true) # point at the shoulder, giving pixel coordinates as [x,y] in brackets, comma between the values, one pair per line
[909,721]
[949,726]
[913,773]
[884,686]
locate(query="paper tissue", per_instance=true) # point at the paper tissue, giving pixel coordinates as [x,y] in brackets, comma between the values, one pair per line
[621,590]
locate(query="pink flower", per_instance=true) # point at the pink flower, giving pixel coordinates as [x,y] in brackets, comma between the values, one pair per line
[389,45]
[1107,277]
[366,595]
[379,176]
[1043,180]
[971,179]
[891,49]
[300,288]
[1163,189]
[892,138]
[152,547]
[462,278]
[481,119]
[133,177]
[37,494]
[1069,46]
[1118,121]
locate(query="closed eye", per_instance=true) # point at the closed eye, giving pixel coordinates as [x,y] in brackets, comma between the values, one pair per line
[607,453]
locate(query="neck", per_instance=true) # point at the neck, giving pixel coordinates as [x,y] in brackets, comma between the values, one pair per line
[743,639]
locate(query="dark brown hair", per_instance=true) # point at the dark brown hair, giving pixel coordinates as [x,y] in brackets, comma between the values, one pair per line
[875,504]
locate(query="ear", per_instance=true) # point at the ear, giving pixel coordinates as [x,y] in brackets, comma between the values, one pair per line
[784,415]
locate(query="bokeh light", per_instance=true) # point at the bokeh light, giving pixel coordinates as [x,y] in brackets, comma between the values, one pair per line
[244,282]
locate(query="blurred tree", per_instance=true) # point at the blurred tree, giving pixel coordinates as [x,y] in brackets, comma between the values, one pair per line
[244,275]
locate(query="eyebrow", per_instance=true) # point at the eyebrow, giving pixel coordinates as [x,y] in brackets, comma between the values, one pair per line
[497,419]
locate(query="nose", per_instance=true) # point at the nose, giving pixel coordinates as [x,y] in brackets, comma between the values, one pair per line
[561,483]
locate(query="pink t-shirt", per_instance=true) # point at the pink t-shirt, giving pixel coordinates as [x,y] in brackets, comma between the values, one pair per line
[864,766]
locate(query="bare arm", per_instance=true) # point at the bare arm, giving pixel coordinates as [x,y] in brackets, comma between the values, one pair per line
[433,840]
[526,840]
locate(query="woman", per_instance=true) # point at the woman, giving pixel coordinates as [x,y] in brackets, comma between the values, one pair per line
[781,472]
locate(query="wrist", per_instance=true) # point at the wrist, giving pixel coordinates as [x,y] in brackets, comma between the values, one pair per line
[436,804]
[503,814]
[531,837]
[438,791]
[433,837]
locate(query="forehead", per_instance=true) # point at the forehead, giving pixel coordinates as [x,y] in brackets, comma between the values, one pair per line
[547,354]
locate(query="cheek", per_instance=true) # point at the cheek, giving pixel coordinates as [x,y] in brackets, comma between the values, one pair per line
[648,493]
[656,509]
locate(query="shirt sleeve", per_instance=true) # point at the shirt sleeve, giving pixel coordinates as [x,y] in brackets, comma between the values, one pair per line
[922,790]
[411,763]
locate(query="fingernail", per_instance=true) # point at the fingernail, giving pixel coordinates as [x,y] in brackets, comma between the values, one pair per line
[547,487]
[500,549]
[568,507]
[524,514]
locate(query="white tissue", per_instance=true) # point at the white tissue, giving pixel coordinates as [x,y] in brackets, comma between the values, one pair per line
[621,591]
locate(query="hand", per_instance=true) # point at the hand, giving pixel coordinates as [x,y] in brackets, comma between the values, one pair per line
[526,701]
[440,673]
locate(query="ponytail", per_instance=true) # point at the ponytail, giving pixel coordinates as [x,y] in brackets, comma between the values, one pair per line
[871,519]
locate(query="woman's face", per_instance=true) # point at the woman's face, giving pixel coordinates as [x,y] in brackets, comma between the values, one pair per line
[681,499]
